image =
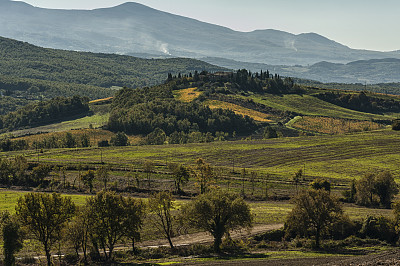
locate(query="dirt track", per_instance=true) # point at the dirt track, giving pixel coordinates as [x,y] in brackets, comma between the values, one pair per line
[201,238]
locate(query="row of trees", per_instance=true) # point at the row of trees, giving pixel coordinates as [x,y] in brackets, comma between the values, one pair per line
[242,80]
[108,218]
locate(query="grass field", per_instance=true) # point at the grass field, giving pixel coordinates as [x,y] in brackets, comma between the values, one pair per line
[265,212]
[337,157]
[312,106]
[258,116]
[96,120]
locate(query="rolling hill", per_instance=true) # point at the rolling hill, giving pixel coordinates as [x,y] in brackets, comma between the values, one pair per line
[33,73]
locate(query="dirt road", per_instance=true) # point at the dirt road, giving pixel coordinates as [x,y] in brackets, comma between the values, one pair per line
[201,238]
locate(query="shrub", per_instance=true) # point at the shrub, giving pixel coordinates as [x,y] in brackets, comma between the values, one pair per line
[380,227]
[396,124]
[273,235]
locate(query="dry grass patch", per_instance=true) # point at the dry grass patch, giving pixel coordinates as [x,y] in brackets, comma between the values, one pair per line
[258,116]
[329,125]
[188,95]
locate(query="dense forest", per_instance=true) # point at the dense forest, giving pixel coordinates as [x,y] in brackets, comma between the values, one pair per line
[143,111]
[45,112]
[19,59]
[361,102]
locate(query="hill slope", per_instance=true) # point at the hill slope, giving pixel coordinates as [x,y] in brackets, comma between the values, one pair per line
[134,28]
[34,73]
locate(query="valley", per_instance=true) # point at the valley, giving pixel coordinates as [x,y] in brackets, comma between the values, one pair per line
[129,135]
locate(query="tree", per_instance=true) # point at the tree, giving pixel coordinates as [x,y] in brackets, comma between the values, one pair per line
[218,212]
[269,133]
[313,212]
[78,231]
[180,174]
[161,204]
[157,137]
[253,179]
[107,216]
[87,179]
[319,183]
[40,172]
[69,140]
[365,190]
[13,237]
[148,168]
[203,174]
[103,174]
[396,124]
[297,177]
[386,188]
[135,211]
[120,139]
[45,215]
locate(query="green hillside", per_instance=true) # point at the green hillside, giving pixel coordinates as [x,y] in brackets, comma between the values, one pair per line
[34,73]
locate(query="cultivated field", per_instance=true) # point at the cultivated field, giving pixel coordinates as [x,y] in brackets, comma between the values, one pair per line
[338,157]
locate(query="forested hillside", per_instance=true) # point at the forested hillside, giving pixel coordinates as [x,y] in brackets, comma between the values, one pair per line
[155,112]
[34,73]
[42,113]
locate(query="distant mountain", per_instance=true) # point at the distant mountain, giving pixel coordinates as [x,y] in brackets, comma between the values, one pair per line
[371,71]
[133,28]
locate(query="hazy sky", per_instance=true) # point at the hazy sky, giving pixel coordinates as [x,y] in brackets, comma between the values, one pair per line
[362,24]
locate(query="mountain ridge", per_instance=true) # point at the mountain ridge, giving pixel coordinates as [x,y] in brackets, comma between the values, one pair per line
[135,28]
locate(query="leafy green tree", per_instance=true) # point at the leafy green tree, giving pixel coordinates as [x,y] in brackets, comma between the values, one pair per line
[157,137]
[78,231]
[135,211]
[69,140]
[396,124]
[148,169]
[365,190]
[297,178]
[88,178]
[386,188]
[12,235]
[313,212]
[218,212]
[119,139]
[45,215]
[320,183]
[40,172]
[5,172]
[103,174]
[161,205]
[180,174]
[203,174]
[269,133]
[107,220]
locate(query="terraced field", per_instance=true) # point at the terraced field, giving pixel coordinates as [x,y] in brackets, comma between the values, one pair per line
[338,157]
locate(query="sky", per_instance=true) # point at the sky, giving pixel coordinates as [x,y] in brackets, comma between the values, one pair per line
[359,24]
